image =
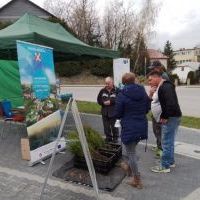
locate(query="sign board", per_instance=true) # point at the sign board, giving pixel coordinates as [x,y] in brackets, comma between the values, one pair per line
[38,81]
[120,67]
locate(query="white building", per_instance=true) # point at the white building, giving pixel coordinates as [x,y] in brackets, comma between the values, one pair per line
[183,70]
[187,55]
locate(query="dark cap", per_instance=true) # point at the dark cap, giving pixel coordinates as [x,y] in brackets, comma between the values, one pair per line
[155,64]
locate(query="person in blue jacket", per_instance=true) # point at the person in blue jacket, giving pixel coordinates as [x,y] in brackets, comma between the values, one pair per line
[132,104]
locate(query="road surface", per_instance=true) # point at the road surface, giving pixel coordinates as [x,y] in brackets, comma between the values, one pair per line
[189,97]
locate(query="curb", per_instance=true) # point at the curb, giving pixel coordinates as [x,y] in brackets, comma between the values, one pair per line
[189,129]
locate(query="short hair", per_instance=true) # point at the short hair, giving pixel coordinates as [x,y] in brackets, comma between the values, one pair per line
[109,79]
[128,78]
[155,73]
[156,64]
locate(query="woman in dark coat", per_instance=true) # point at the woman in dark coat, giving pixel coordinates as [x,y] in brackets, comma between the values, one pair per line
[132,104]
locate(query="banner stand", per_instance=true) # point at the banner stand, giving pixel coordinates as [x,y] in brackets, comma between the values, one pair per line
[84,145]
[55,148]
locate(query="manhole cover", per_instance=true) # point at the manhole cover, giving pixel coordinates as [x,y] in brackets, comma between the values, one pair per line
[197,151]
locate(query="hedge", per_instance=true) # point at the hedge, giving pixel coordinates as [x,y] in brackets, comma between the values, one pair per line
[193,77]
[69,68]
[173,77]
[102,68]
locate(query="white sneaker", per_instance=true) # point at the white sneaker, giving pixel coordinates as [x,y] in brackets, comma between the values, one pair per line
[159,169]
[173,165]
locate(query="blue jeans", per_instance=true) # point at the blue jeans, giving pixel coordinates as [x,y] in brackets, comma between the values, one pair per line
[169,131]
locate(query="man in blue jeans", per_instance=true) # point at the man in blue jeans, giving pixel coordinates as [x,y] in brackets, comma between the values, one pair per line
[157,66]
[169,115]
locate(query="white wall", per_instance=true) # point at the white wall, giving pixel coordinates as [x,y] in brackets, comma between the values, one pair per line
[182,73]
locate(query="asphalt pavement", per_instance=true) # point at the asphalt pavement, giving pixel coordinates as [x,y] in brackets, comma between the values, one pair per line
[189,97]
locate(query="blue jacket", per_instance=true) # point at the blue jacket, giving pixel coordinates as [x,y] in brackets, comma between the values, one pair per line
[132,104]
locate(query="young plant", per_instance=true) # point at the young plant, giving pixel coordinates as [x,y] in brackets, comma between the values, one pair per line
[94,139]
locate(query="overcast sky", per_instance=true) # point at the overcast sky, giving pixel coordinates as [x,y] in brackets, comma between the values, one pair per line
[178,21]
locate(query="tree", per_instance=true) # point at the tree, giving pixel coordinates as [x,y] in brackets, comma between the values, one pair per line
[63,23]
[4,24]
[140,54]
[145,21]
[117,29]
[81,18]
[168,51]
[118,25]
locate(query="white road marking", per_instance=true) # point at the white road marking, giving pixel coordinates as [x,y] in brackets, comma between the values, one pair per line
[193,195]
[185,149]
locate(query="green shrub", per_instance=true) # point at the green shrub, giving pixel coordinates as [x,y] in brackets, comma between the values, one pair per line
[4,24]
[142,79]
[173,77]
[193,78]
[94,139]
[102,68]
[68,69]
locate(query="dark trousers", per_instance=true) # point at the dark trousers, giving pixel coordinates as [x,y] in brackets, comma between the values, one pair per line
[110,131]
[157,132]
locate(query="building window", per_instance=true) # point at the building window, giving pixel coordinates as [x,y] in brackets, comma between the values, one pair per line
[182,68]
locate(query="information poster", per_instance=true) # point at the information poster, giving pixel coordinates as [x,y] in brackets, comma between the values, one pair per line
[120,67]
[38,81]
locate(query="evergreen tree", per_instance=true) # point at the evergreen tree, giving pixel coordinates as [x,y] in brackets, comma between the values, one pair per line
[168,51]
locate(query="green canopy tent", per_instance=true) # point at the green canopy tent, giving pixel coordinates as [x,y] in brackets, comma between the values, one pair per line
[10,86]
[33,29]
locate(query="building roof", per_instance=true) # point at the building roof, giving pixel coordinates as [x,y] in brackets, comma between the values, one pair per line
[154,54]
[29,7]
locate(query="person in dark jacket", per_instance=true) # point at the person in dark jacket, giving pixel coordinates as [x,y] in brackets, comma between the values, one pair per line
[131,107]
[157,66]
[106,98]
[170,116]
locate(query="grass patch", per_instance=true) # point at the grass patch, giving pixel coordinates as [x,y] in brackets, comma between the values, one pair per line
[94,108]
[89,107]
[190,122]
[186,121]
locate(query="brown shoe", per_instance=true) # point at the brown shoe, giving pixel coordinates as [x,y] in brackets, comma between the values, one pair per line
[136,182]
[125,166]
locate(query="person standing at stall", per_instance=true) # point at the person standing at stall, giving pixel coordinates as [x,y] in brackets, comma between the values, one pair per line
[132,105]
[169,115]
[106,99]
[158,67]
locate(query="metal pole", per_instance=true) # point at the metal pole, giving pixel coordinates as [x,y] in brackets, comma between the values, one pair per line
[85,147]
[55,148]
